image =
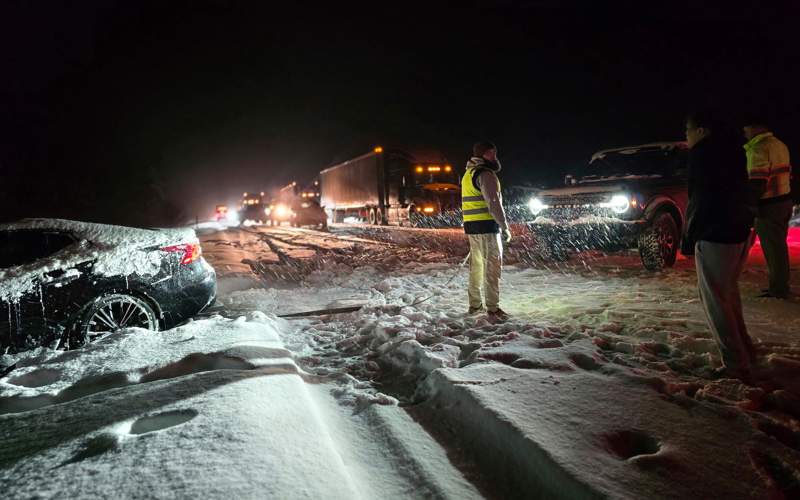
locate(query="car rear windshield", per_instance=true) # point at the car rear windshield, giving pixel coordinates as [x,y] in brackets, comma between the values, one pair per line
[637,162]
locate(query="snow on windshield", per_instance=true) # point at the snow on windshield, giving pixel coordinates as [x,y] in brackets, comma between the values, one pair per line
[636,163]
[116,251]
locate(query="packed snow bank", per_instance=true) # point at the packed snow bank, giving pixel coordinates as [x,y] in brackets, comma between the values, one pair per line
[580,433]
[213,409]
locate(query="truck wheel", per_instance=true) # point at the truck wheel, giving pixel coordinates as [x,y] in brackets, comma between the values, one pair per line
[413,217]
[371,216]
[658,246]
[378,216]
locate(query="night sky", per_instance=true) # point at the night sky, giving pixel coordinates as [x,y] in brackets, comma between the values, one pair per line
[152,112]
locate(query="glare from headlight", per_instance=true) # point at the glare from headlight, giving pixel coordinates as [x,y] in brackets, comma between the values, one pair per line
[281,211]
[619,204]
[536,206]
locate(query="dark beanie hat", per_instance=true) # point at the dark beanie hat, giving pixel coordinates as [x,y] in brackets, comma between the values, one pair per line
[482,147]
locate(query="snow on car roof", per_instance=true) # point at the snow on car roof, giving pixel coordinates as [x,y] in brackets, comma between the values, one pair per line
[115,250]
[635,149]
[105,233]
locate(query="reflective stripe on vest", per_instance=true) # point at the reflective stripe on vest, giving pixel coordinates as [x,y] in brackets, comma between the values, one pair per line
[473,204]
[777,177]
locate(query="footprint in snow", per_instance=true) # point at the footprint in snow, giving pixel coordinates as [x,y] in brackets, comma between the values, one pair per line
[37,378]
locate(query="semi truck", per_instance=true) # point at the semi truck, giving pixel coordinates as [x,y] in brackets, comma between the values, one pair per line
[400,186]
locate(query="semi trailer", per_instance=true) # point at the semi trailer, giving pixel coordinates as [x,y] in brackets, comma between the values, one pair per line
[405,187]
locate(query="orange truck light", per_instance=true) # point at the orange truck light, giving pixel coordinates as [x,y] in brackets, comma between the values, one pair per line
[434,169]
[448,168]
[419,168]
[428,210]
[379,149]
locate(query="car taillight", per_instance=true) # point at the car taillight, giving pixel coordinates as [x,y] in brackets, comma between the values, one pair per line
[191,252]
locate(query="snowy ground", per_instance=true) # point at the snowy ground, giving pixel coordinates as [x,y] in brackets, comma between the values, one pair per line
[598,386]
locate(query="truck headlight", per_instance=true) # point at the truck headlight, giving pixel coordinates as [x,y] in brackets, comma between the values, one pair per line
[536,206]
[619,204]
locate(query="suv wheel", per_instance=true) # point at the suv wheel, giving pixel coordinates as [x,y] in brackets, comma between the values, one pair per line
[658,246]
[549,250]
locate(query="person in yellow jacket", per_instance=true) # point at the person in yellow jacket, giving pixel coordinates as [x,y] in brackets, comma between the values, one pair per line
[769,171]
[484,223]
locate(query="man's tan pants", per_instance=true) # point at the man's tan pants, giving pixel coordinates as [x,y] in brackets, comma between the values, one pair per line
[485,266]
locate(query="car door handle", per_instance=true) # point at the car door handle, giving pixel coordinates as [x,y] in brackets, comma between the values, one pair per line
[60,279]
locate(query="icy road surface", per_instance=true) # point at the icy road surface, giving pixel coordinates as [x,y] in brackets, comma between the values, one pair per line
[598,385]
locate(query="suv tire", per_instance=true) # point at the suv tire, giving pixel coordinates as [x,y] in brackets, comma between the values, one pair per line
[658,246]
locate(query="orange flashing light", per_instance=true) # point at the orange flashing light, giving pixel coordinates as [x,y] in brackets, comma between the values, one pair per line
[448,168]
[379,149]
[420,169]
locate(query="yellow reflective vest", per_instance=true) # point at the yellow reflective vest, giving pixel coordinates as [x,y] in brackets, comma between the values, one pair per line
[768,159]
[473,204]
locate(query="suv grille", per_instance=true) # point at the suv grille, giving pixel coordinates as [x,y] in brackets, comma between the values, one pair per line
[577,200]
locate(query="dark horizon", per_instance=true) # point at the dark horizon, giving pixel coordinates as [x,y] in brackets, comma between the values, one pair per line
[146,112]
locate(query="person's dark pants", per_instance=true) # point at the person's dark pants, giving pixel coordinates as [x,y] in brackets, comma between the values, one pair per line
[718,268]
[772,227]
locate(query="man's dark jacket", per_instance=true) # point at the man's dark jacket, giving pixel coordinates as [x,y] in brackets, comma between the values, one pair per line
[719,202]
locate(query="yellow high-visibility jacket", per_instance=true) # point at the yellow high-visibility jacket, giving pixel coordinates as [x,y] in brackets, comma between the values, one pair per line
[768,159]
[473,204]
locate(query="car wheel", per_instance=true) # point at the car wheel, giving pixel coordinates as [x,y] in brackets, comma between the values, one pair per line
[658,246]
[110,313]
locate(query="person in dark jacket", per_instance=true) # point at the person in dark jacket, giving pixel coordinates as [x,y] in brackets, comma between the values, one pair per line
[718,233]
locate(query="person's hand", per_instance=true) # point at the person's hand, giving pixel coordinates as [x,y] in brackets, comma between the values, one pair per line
[507,234]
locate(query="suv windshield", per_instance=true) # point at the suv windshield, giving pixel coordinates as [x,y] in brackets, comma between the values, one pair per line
[636,162]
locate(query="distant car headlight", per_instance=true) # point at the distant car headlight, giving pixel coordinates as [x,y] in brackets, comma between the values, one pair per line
[619,204]
[281,211]
[536,206]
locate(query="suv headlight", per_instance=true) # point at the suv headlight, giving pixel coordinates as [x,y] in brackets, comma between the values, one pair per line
[619,204]
[536,206]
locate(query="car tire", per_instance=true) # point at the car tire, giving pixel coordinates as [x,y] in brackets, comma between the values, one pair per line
[559,253]
[658,246]
[110,313]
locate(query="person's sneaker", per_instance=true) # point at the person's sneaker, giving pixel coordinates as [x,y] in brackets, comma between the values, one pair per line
[474,310]
[499,314]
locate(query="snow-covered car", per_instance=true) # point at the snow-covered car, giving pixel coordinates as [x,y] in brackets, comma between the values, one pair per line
[66,283]
[632,197]
[307,212]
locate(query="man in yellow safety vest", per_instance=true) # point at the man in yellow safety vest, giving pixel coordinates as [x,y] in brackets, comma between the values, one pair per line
[484,222]
[769,171]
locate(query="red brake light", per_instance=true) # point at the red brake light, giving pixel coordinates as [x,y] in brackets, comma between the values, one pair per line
[191,251]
